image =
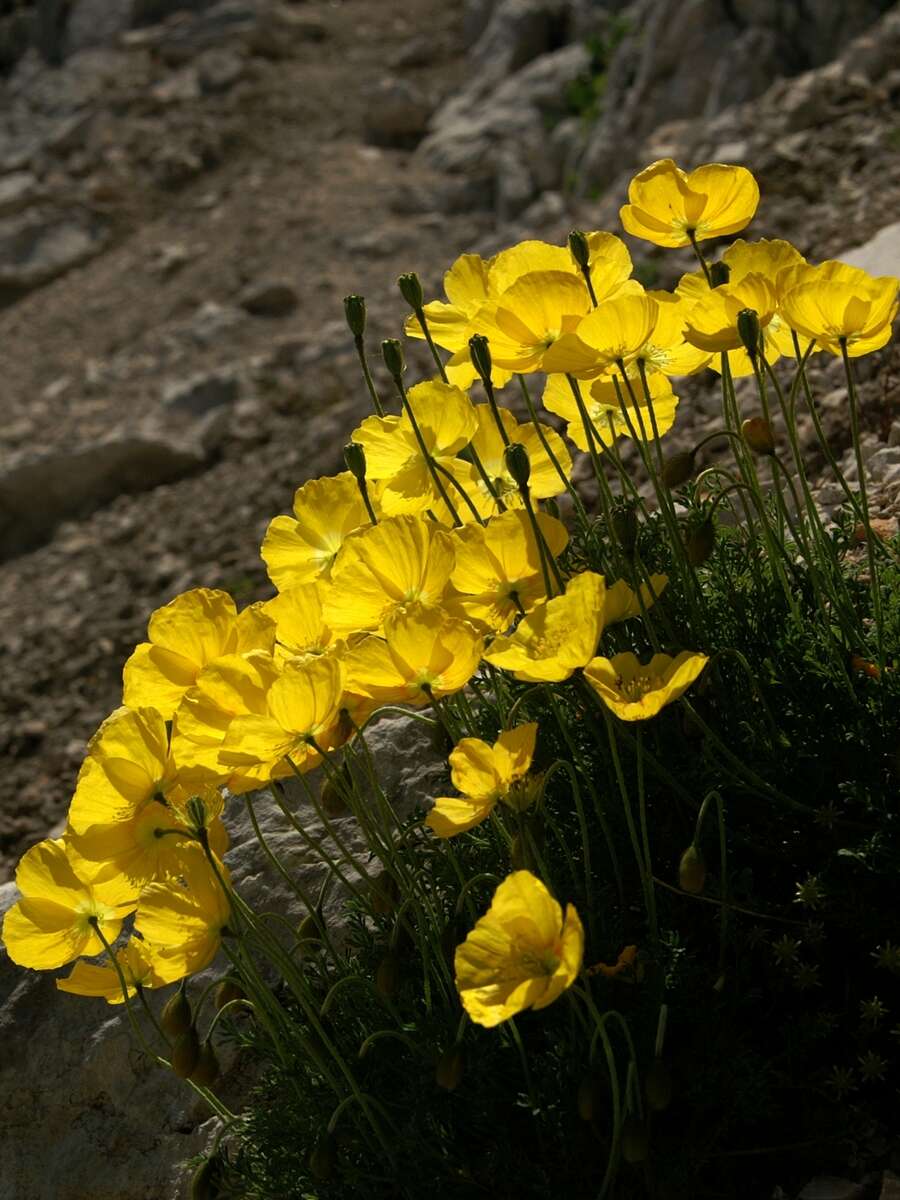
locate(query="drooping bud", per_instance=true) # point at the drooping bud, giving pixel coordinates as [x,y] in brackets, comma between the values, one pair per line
[204,1183]
[385,894]
[590,1098]
[176,1018]
[392,353]
[206,1072]
[692,870]
[625,527]
[719,273]
[658,1086]
[449,1070]
[411,290]
[186,1053]
[480,353]
[579,248]
[759,435]
[355,312]
[700,543]
[748,330]
[388,975]
[678,469]
[332,799]
[635,1142]
[323,1158]
[227,992]
[309,936]
[355,459]
[518,463]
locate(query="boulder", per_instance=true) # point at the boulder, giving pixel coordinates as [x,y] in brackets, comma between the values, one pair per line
[397,113]
[269,298]
[88,1117]
[37,248]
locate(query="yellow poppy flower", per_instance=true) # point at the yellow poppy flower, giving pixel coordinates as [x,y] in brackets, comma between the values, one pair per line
[96,979]
[61,896]
[485,775]
[544,480]
[181,921]
[498,567]
[302,548]
[601,401]
[185,634]
[521,953]
[622,603]
[400,561]
[556,637]
[712,322]
[635,691]
[608,260]
[667,205]
[237,685]
[531,315]
[467,290]
[425,654]
[615,332]
[447,422]
[298,613]
[303,707]
[837,302]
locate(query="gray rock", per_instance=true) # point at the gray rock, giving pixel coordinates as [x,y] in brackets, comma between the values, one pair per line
[96,22]
[201,393]
[219,69]
[87,1115]
[476,15]
[17,191]
[269,298]
[397,113]
[36,249]
[880,255]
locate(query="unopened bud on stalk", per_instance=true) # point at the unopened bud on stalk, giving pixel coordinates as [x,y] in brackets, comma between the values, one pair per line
[625,527]
[518,463]
[206,1072]
[385,894]
[387,976]
[700,543]
[480,353]
[449,1070]
[551,508]
[635,1142]
[227,992]
[678,469]
[658,1086]
[392,353]
[719,273]
[748,330]
[186,1053]
[332,800]
[692,870]
[310,939]
[355,459]
[580,250]
[411,290]
[355,312]
[176,1018]
[323,1158]
[590,1098]
[758,435]
[203,1184]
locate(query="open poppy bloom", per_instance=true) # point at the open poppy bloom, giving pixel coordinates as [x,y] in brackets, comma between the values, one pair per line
[101,979]
[521,954]
[611,411]
[835,303]
[668,206]
[485,775]
[635,692]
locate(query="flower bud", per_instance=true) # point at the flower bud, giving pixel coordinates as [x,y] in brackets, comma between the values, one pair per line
[392,353]
[449,1070]
[518,463]
[700,543]
[625,527]
[678,469]
[323,1158]
[719,273]
[748,329]
[480,353]
[332,799]
[658,1086]
[635,1142]
[206,1072]
[388,975]
[309,936]
[591,1097]
[692,870]
[186,1053]
[579,249]
[355,459]
[355,312]
[385,894]
[758,435]
[176,1018]
[227,992]
[204,1184]
[411,290]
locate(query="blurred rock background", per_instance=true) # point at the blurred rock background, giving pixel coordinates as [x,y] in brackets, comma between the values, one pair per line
[188,189]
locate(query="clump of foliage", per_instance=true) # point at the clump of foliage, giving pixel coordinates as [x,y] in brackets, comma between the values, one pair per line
[644,945]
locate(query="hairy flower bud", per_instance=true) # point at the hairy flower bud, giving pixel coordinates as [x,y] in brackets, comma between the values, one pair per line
[186,1053]
[176,1018]
[355,312]
[748,329]
[701,542]
[204,1185]
[385,894]
[678,469]
[518,463]
[658,1086]
[719,273]
[309,936]
[449,1070]
[392,353]
[625,527]
[635,1142]
[387,976]
[480,353]
[411,290]
[227,992]
[323,1158]
[578,246]
[355,459]
[758,435]
[692,870]
[206,1072]
[590,1098]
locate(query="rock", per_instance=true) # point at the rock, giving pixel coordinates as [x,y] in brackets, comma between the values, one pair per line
[269,298]
[219,69]
[36,249]
[17,191]
[87,1115]
[96,22]
[476,15]
[278,29]
[397,113]
[827,1187]
[880,255]
[210,322]
[201,393]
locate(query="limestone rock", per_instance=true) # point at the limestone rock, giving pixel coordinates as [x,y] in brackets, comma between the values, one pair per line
[269,298]
[36,249]
[397,113]
[880,255]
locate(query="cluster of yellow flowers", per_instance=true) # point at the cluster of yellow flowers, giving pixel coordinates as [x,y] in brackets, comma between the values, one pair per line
[400,577]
